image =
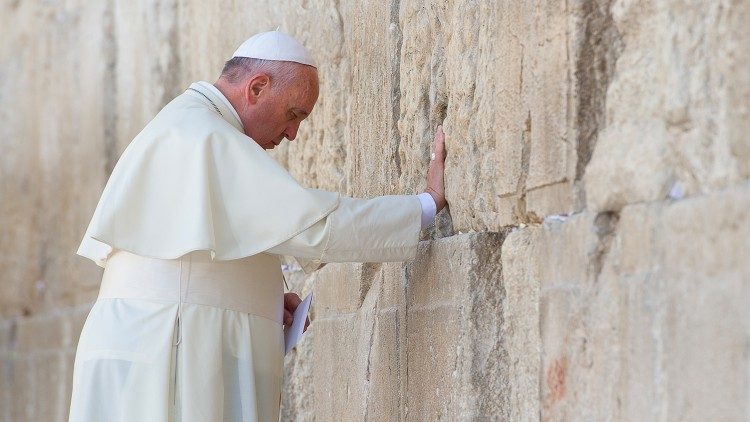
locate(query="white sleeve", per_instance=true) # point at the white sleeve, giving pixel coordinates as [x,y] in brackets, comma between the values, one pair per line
[381,229]
[429,208]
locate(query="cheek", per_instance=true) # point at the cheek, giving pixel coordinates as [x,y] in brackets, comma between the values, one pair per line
[281,122]
[267,124]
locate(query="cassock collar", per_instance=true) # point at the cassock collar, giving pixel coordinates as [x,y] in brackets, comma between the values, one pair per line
[227,111]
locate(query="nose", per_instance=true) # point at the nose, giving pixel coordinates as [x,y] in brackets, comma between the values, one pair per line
[291,131]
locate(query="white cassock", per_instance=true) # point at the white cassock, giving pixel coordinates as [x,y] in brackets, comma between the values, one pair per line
[190,227]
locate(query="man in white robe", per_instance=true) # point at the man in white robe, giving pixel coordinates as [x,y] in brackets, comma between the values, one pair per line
[195,204]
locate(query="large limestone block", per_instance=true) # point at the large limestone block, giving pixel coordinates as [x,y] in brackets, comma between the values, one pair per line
[53,130]
[424,341]
[583,316]
[49,381]
[456,355]
[35,385]
[339,358]
[20,236]
[521,328]
[342,288]
[677,104]
[497,73]
[706,320]
[564,258]
[372,156]
[36,364]
[642,313]
[143,56]
[40,332]
[19,372]
[521,87]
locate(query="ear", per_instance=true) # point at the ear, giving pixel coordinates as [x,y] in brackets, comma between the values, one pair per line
[256,86]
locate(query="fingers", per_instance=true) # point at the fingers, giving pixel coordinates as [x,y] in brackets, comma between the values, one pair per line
[288,318]
[436,169]
[438,144]
[291,301]
[439,135]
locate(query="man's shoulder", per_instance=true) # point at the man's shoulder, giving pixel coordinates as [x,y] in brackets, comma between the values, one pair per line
[184,116]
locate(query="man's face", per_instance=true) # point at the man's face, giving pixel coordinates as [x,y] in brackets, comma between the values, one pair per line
[278,111]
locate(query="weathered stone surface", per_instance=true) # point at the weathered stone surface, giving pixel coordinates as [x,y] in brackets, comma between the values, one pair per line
[520,330]
[40,333]
[54,162]
[472,65]
[607,138]
[675,103]
[707,275]
[424,343]
[632,306]
[7,390]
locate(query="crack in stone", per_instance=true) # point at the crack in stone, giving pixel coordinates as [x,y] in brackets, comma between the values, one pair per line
[594,68]
[489,362]
[397,39]
[605,227]
[520,209]
[404,384]
[546,185]
[366,396]
[109,80]
[369,271]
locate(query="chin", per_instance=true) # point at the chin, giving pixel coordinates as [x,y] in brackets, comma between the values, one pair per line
[274,145]
[269,145]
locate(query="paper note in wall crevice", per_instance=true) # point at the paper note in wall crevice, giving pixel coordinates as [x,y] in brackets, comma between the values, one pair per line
[293,333]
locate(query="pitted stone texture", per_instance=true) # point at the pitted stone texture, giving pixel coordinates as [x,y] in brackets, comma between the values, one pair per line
[52,156]
[521,330]
[36,364]
[642,313]
[297,402]
[499,73]
[549,107]
[706,292]
[143,65]
[677,105]
[428,341]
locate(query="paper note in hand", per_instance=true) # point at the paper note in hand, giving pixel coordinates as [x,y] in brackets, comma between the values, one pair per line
[293,333]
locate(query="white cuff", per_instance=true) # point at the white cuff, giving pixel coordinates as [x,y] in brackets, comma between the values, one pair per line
[429,208]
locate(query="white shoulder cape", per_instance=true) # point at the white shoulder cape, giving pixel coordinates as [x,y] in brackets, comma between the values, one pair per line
[192,180]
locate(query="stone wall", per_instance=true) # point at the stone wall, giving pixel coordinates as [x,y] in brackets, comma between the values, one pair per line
[592,264]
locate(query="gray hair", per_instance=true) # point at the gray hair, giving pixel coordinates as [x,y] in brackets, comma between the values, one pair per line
[238,68]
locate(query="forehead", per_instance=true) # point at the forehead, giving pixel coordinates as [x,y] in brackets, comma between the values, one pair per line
[304,90]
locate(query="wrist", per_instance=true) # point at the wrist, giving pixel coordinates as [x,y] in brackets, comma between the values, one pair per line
[429,208]
[435,197]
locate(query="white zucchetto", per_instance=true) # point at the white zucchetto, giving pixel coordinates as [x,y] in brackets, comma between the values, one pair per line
[275,45]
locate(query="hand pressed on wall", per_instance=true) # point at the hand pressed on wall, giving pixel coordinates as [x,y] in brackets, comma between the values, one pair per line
[436,171]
